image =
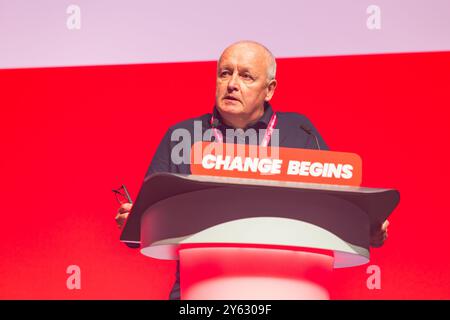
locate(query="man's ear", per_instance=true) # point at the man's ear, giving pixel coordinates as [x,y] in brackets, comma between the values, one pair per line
[271,89]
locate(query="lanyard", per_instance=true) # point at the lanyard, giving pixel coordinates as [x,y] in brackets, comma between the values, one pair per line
[273,121]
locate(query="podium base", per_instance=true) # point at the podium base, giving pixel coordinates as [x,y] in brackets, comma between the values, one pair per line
[246,273]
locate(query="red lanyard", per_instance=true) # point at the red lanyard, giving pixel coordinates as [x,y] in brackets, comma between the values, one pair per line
[272,123]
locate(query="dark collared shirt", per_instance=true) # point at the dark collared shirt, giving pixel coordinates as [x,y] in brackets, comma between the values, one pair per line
[295,131]
[289,125]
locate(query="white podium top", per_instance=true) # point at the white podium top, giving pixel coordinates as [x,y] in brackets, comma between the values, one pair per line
[174,209]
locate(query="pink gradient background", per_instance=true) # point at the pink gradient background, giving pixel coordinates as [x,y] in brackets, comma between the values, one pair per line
[34,33]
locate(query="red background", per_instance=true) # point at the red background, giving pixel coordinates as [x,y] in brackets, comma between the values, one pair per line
[70,135]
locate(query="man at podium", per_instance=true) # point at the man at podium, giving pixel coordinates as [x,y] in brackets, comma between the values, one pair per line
[245,84]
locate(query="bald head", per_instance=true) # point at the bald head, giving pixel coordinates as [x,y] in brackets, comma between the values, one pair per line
[257,49]
[245,81]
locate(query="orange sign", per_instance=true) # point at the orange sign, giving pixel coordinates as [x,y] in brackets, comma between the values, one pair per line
[276,163]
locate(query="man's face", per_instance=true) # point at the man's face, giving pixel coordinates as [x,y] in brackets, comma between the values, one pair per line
[242,83]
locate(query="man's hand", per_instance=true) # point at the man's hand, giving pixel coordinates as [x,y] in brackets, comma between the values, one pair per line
[379,234]
[122,214]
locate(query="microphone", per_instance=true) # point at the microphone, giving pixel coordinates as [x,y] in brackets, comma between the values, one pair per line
[309,131]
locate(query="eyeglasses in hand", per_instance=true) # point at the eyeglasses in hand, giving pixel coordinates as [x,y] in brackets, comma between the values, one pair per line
[122,195]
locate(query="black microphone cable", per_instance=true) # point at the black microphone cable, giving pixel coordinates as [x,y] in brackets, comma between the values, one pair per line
[309,131]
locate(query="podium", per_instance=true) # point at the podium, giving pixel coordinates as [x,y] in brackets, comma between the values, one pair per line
[255,239]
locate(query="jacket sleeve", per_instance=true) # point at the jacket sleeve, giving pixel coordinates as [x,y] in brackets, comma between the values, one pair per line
[161,159]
